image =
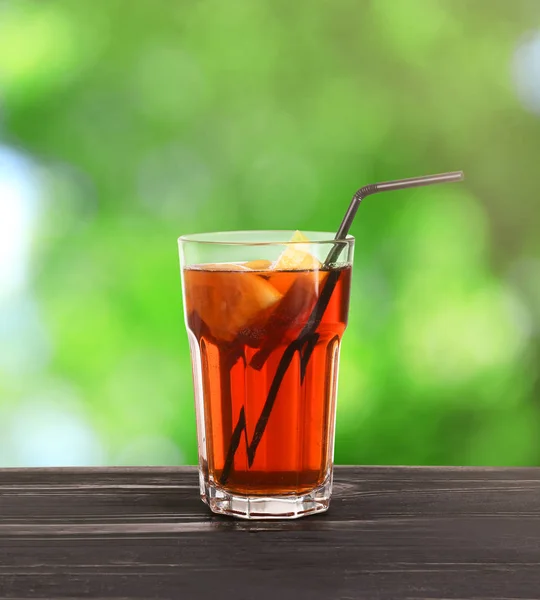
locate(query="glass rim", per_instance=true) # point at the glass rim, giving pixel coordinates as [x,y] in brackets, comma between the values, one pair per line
[323,237]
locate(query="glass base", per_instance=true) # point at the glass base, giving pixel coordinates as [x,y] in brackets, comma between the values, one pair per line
[291,506]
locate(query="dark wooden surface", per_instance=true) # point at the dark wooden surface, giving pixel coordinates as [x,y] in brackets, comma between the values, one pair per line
[390,533]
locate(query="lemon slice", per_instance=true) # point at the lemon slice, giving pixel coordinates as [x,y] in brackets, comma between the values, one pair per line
[229,299]
[296,256]
[222,267]
[259,265]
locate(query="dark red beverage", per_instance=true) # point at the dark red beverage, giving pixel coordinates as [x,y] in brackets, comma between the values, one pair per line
[268,380]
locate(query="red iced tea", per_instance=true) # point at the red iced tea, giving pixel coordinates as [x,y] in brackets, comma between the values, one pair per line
[268,376]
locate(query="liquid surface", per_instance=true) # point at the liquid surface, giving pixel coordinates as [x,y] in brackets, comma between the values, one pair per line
[243,326]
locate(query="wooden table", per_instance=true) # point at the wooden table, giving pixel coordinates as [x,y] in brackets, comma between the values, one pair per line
[390,533]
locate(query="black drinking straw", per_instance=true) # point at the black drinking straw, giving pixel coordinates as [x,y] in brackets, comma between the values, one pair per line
[385,186]
[306,340]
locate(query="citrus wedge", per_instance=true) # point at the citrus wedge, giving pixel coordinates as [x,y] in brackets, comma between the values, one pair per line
[222,267]
[228,300]
[259,265]
[296,256]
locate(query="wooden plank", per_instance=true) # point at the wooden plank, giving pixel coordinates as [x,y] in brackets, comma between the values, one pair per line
[392,532]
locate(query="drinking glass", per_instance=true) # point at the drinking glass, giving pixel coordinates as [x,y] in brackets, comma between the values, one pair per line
[265,317]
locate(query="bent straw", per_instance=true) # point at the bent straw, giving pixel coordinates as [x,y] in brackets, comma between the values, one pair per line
[385,186]
[308,337]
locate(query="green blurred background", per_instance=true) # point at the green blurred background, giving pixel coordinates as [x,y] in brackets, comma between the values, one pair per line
[125,123]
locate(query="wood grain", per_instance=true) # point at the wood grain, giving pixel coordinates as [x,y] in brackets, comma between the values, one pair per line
[451,533]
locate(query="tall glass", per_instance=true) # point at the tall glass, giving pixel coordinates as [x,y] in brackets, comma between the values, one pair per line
[265,318]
